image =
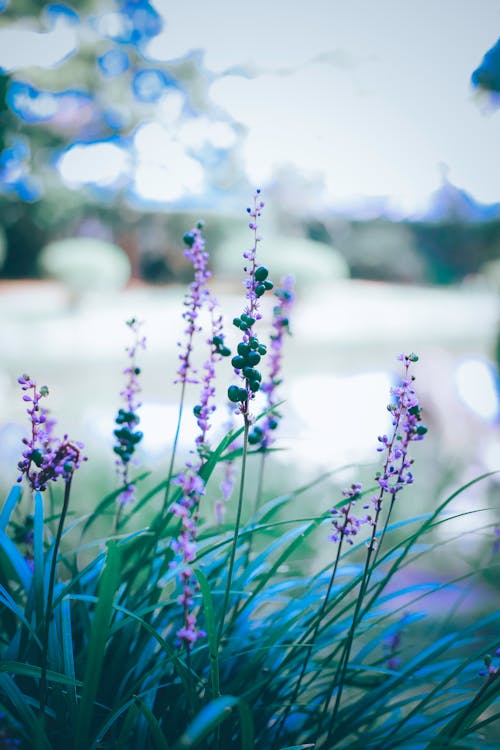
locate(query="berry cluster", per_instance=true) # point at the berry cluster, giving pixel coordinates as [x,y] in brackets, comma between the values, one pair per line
[245,363]
[220,347]
[127,421]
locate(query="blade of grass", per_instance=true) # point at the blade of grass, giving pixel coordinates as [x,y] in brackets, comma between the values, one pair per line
[159,741]
[212,716]
[108,585]
[9,505]
[213,646]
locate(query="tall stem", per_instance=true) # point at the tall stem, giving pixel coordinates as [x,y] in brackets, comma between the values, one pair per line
[258,494]
[50,598]
[344,659]
[174,447]
[236,530]
[309,646]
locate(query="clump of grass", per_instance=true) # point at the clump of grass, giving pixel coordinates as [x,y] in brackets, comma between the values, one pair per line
[186,633]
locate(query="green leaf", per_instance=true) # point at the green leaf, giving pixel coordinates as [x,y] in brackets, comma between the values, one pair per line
[109,582]
[214,714]
[19,564]
[159,741]
[213,646]
[8,601]
[67,651]
[459,726]
[9,505]
[30,670]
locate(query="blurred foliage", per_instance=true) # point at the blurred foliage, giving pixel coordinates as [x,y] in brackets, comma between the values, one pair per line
[107,86]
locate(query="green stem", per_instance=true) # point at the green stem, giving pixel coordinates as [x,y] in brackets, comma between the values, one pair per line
[50,598]
[258,495]
[236,531]
[309,646]
[344,659]
[174,448]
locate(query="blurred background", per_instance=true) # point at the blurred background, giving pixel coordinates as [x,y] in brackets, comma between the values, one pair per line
[374,133]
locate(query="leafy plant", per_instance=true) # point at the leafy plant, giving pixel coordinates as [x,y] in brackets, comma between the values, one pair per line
[190,633]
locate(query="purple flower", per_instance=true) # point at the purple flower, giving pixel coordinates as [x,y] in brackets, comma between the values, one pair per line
[46,458]
[262,433]
[186,548]
[195,299]
[126,434]
[345,522]
[189,480]
[217,350]
[407,428]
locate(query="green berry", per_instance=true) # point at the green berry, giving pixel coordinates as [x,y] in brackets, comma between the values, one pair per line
[253,439]
[272,424]
[253,358]
[269,285]
[421,429]
[260,289]
[254,342]
[188,239]
[238,362]
[243,349]
[262,349]
[36,456]
[261,273]
[243,394]
[197,410]
[236,322]
[254,386]
[233,393]
[224,351]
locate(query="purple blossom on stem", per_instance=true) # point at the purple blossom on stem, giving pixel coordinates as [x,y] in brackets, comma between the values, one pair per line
[491,670]
[345,523]
[186,547]
[229,476]
[280,327]
[407,428]
[126,434]
[192,485]
[250,350]
[46,458]
[195,299]
[217,350]
[392,644]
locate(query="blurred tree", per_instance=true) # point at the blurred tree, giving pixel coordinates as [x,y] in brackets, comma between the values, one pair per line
[84,107]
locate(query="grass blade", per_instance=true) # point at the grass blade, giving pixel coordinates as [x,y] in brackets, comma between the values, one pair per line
[212,716]
[213,646]
[108,585]
[9,505]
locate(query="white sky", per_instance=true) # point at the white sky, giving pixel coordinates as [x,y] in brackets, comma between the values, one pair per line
[375,95]
[372,96]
